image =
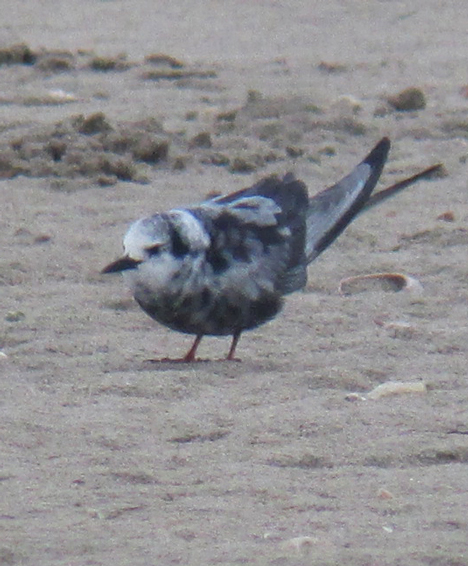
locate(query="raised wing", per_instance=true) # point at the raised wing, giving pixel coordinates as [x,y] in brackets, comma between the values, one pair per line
[331,210]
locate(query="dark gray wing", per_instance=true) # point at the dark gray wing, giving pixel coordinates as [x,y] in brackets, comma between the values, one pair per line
[264,225]
[330,211]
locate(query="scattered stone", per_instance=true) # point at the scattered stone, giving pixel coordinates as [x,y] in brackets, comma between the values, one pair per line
[163,60]
[332,67]
[411,98]
[203,140]
[383,109]
[42,239]
[56,148]
[122,167]
[93,124]
[447,216]
[105,64]
[327,150]
[106,180]
[294,152]
[15,316]
[18,54]
[217,159]
[384,494]
[151,150]
[55,61]
[353,397]
[243,165]
[228,116]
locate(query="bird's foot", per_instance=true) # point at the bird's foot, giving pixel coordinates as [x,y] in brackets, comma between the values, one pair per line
[177,360]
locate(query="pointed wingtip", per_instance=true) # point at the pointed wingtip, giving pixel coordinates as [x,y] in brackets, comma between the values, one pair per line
[334,208]
[379,154]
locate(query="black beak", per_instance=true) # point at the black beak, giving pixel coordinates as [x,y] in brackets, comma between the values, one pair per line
[121,264]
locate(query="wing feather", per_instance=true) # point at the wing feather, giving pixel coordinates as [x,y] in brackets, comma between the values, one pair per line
[330,211]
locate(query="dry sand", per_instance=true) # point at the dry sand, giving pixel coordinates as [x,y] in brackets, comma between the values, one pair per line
[108,459]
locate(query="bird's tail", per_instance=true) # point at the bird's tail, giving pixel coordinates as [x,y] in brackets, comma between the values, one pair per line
[384,194]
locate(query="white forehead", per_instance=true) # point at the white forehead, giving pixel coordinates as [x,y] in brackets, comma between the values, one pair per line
[143,234]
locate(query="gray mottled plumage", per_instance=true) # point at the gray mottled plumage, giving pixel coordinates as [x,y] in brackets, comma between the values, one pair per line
[224,266]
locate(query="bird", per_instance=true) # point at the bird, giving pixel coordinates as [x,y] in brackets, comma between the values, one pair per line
[225,266]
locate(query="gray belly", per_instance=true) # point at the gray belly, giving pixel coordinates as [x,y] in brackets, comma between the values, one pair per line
[208,313]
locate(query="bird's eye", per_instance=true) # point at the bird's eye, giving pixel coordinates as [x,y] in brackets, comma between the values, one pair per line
[153,250]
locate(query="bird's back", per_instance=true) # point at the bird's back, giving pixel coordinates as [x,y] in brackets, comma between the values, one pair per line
[264,225]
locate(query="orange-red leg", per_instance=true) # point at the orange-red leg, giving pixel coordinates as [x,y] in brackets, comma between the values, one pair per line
[190,355]
[232,349]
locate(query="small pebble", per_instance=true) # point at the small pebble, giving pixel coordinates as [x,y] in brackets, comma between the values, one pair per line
[203,139]
[447,216]
[353,397]
[411,98]
[15,316]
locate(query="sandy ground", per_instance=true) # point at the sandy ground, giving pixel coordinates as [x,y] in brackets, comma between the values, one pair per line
[110,110]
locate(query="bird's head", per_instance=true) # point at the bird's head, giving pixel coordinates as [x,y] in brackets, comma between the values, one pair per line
[146,238]
[163,241]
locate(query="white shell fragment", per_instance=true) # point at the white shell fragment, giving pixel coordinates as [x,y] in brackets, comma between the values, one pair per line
[384,494]
[387,282]
[299,544]
[59,95]
[398,328]
[353,397]
[306,545]
[396,388]
[387,529]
